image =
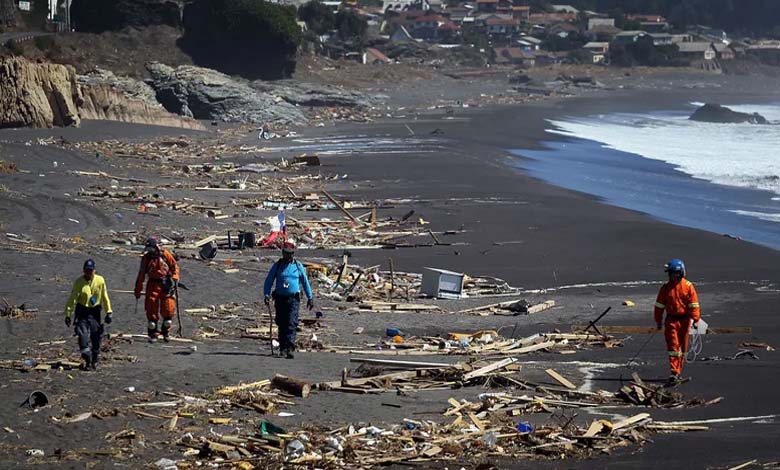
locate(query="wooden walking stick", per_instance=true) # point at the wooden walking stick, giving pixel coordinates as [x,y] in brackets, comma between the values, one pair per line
[270,327]
[178,312]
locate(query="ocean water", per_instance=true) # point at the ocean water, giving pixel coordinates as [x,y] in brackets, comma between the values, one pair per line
[724,178]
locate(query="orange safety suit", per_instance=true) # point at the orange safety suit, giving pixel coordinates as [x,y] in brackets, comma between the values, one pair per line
[160,301]
[681,303]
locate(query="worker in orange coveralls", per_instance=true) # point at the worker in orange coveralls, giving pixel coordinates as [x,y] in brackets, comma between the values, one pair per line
[678,297]
[163,272]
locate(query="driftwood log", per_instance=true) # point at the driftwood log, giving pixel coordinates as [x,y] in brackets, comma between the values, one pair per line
[296,387]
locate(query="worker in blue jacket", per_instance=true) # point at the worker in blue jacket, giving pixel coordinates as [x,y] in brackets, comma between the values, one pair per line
[289,275]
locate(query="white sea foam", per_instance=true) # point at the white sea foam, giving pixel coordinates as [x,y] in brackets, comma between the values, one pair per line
[768,216]
[744,155]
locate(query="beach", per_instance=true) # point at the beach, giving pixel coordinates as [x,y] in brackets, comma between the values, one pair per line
[457,172]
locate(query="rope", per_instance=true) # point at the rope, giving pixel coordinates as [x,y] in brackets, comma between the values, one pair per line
[694,348]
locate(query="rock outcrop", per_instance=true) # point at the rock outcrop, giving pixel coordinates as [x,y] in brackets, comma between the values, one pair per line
[307,94]
[207,94]
[37,95]
[47,95]
[105,96]
[711,112]
[97,16]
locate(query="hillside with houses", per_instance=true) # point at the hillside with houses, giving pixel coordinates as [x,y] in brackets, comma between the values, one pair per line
[514,32]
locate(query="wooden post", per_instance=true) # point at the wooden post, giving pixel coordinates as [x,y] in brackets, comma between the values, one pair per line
[341,208]
[392,280]
[373,217]
[296,387]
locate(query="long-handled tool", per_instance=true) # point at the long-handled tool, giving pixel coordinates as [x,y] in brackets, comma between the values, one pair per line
[136,306]
[178,312]
[271,327]
[642,348]
[593,323]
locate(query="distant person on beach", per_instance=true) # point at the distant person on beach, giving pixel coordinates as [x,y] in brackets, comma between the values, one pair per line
[161,268]
[679,299]
[87,299]
[289,275]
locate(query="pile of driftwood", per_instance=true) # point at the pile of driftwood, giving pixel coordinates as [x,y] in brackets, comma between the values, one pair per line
[482,343]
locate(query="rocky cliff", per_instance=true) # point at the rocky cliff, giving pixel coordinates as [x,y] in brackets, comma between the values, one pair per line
[105,96]
[37,95]
[47,95]
[207,94]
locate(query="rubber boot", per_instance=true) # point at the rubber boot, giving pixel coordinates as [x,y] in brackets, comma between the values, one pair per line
[152,335]
[87,362]
[94,362]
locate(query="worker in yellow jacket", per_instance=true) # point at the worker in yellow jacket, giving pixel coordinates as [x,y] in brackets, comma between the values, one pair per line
[88,297]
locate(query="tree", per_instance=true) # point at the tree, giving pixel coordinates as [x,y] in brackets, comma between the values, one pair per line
[253,38]
[318,17]
[351,26]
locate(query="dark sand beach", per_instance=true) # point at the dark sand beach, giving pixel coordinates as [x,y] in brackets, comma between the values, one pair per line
[587,255]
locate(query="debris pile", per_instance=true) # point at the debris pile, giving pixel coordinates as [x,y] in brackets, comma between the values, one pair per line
[16,311]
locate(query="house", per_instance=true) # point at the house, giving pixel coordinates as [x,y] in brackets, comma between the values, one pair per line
[502,26]
[700,50]
[678,38]
[597,47]
[563,29]
[629,37]
[520,13]
[603,33]
[456,14]
[595,22]
[661,39]
[514,56]
[723,51]
[551,18]
[654,27]
[529,43]
[710,34]
[487,6]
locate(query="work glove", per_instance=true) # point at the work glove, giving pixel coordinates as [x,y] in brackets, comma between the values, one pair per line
[108,319]
[67,321]
[310,304]
[137,295]
[267,300]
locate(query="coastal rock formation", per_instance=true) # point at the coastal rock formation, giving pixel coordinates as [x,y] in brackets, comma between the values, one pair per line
[712,112]
[105,96]
[47,95]
[308,94]
[96,16]
[37,95]
[207,94]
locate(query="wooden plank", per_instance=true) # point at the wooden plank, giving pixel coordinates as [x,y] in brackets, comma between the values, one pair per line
[405,375]
[237,388]
[173,422]
[341,208]
[477,422]
[629,421]
[595,428]
[541,307]
[482,371]
[206,240]
[528,349]
[640,330]
[746,464]
[403,364]
[561,379]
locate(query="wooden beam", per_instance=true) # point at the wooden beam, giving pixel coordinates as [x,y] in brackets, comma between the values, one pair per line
[403,364]
[561,379]
[482,371]
[341,208]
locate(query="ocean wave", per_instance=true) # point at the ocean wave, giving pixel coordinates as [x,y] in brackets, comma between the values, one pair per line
[768,216]
[728,154]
